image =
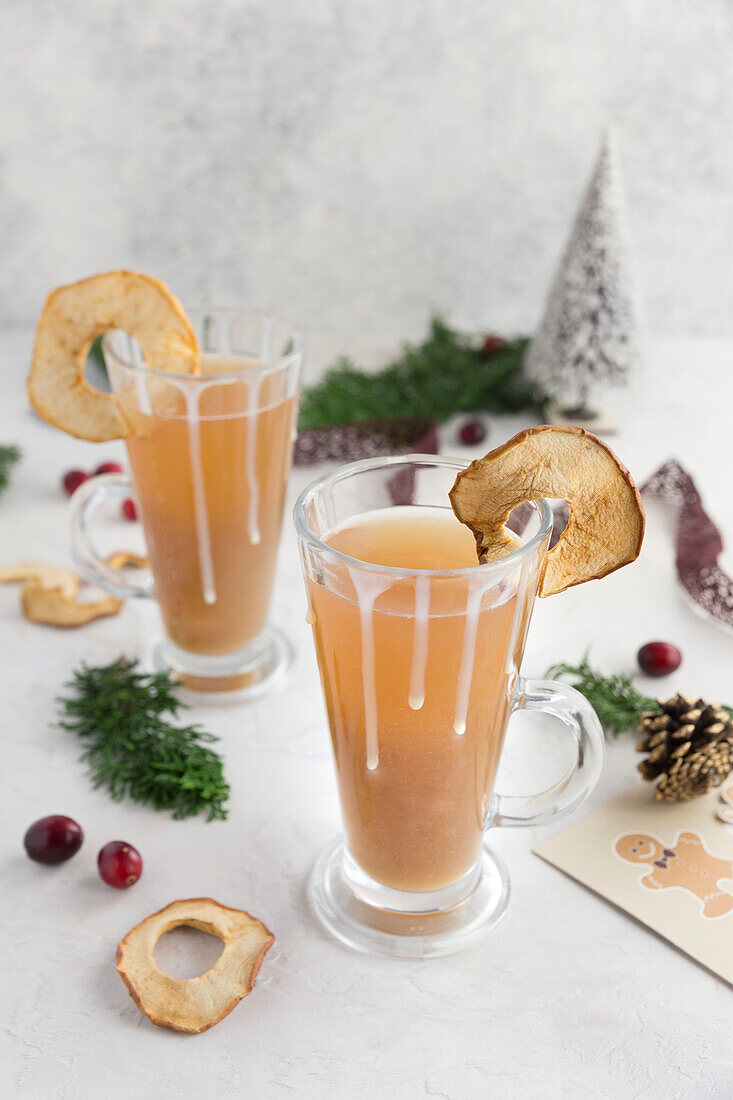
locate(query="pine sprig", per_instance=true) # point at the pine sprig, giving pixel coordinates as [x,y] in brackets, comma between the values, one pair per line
[443,375]
[9,455]
[614,698]
[96,355]
[131,747]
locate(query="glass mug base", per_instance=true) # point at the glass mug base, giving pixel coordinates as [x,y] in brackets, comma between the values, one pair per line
[406,925]
[229,677]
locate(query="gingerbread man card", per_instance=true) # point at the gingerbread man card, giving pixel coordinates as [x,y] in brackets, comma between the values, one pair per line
[687,866]
[670,866]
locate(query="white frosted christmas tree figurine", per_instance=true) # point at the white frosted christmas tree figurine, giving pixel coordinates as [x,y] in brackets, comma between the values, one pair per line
[588,334]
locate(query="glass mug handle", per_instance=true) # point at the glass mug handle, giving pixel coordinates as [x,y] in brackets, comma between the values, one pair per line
[93,567]
[576,713]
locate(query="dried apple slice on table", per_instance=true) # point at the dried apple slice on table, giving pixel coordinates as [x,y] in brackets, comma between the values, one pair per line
[606,521]
[49,595]
[73,317]
[193,1004]
[49,606]
[124,559]
[42,576]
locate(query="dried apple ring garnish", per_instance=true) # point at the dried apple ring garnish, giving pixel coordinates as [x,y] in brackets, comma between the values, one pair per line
[193,1004]
[606,521]
[73,317]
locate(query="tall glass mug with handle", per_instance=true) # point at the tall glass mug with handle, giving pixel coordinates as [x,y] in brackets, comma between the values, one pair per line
[419,650]
[210,455]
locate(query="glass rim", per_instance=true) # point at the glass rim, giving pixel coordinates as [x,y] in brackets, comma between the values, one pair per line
[281,363]
[307,536]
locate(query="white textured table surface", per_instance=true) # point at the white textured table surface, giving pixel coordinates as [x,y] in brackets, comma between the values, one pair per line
[567,997]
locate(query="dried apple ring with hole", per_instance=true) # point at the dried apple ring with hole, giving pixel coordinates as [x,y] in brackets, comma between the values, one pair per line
[193,1004]
[73,317]
[606,521]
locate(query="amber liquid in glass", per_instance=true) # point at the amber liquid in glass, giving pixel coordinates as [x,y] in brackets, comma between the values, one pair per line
[418,688]
[210,466]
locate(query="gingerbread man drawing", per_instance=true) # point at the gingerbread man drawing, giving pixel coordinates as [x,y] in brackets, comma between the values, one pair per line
[687,865]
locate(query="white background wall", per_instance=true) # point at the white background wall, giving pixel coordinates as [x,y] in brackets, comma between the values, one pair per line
[353,163]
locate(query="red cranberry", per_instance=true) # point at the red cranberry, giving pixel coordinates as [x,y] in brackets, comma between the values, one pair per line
[129,509]
[72,480]
[491,344]
[472,432]
[120,865]
[659,658]
[53,839]
[109,468]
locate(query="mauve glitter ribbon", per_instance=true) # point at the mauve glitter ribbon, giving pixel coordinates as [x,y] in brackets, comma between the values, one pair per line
[698,544]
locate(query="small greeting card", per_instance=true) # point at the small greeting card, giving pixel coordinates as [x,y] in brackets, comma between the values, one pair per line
[668,865]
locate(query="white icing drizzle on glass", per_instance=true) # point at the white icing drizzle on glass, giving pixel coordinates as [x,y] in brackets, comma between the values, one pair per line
[368,587]
[201,513]
[253,398]
[420,642]
[468,653]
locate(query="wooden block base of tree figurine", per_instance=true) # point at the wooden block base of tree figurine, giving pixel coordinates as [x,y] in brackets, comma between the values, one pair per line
[599,419]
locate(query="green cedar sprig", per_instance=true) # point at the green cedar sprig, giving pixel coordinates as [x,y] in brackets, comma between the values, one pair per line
[614,698]
[131,747]
[9,455]
[443,375]
[96,355]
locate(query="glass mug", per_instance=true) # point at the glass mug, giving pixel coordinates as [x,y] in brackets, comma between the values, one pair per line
[210,456]
[420,674]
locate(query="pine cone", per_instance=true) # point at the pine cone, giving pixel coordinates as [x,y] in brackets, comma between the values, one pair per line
[690,746]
